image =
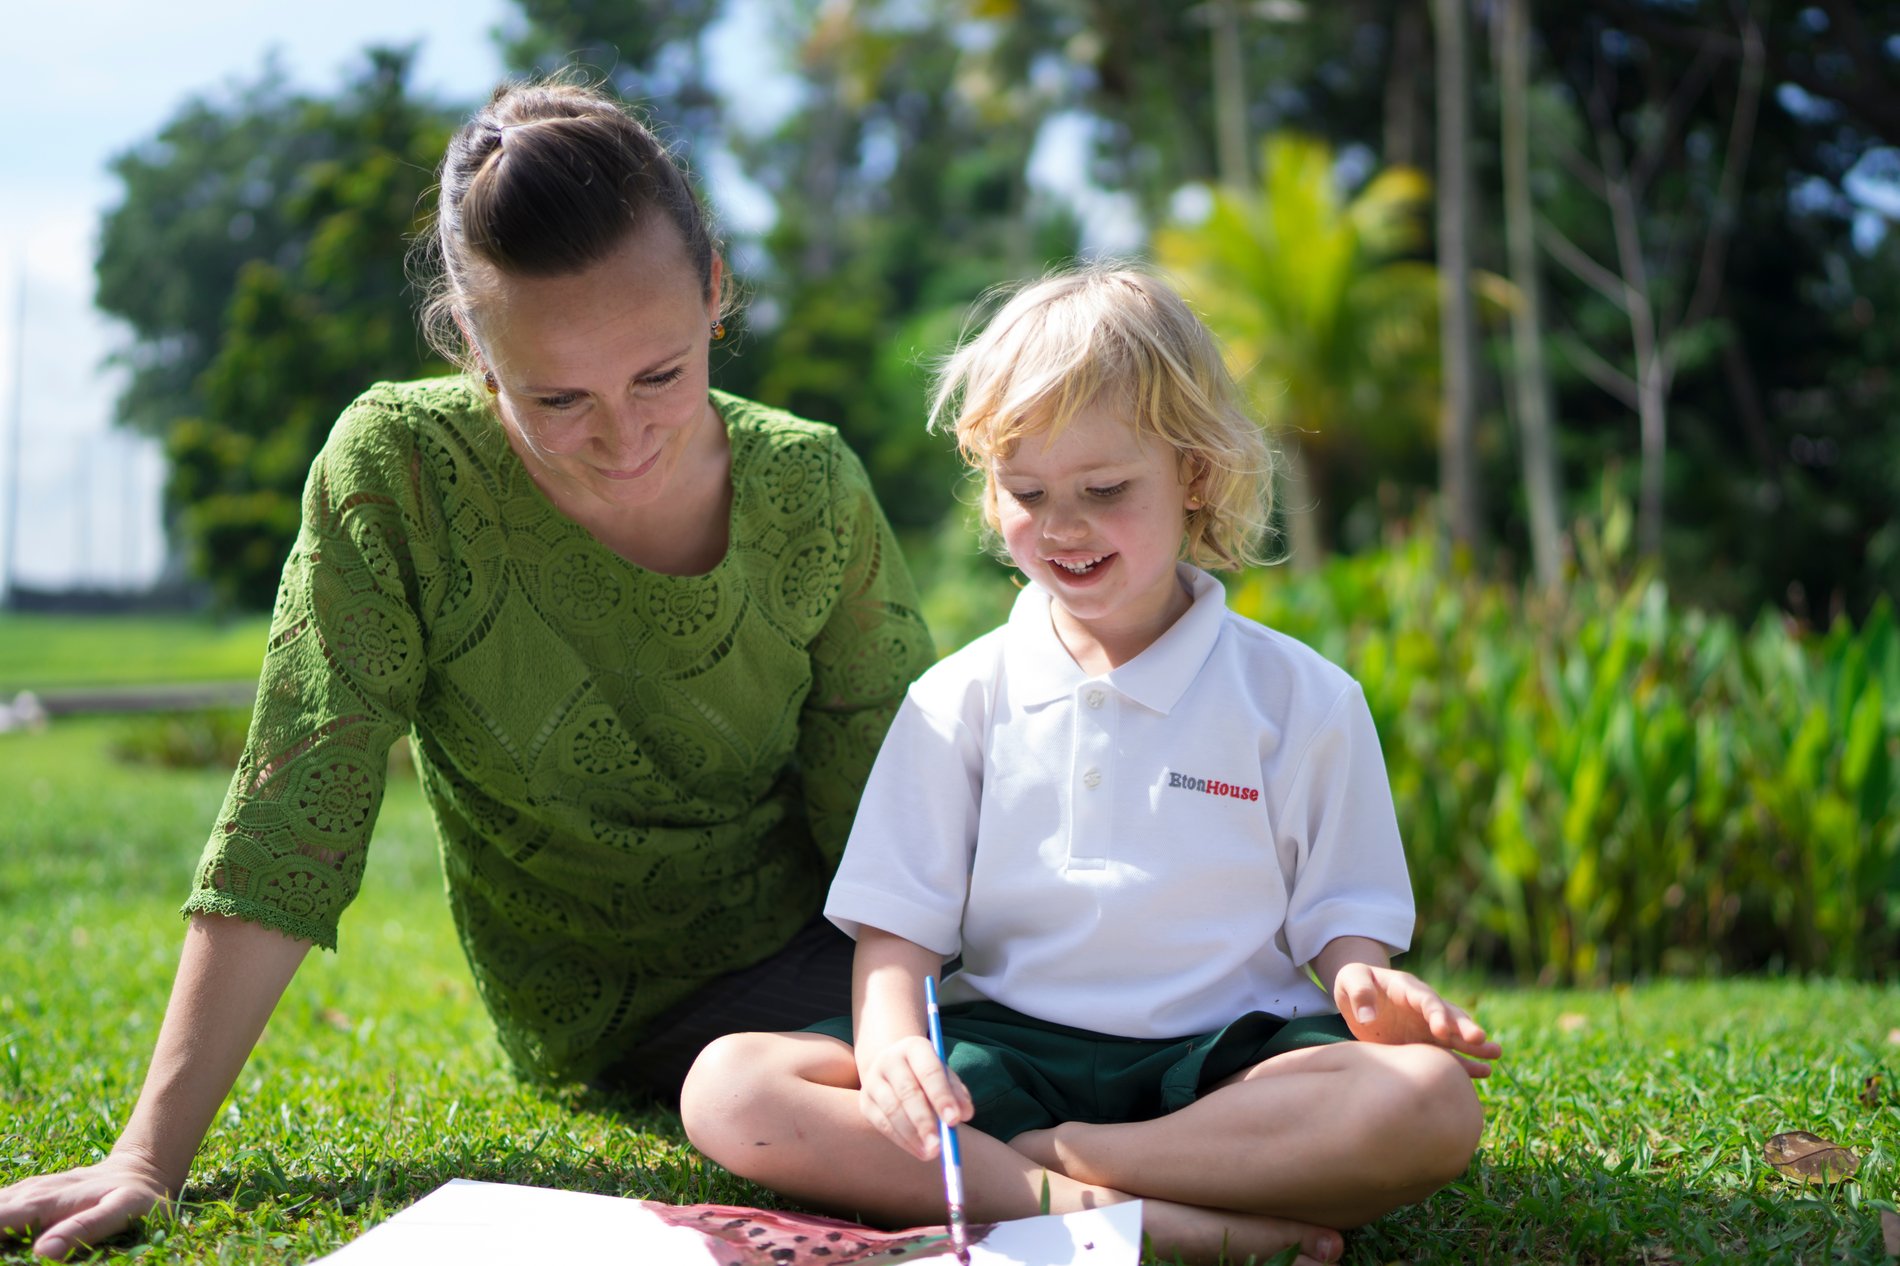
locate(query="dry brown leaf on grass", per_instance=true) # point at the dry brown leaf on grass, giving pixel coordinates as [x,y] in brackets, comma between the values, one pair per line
[1890,1231]
[1807,1157]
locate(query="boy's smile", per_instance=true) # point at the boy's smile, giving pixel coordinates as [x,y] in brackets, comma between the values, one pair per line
[1096,514]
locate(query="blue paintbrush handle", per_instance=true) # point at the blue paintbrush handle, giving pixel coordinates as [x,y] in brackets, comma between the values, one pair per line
[947,1133]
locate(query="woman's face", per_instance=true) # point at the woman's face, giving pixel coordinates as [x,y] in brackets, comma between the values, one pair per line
[601,375]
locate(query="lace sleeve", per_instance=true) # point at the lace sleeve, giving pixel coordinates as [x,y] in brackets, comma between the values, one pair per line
[340,682]
[872,646]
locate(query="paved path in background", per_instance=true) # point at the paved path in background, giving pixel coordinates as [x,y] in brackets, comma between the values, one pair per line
[171,697]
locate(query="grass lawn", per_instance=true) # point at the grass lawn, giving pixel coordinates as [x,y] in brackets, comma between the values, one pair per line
[1624,1126]
[41,652]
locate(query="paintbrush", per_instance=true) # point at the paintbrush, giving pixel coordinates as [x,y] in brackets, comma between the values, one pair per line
[947,1136]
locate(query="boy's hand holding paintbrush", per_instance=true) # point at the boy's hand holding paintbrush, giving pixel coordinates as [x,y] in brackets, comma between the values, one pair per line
[907,1089]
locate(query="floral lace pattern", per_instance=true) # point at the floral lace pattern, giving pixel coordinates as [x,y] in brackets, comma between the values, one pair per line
[640,781]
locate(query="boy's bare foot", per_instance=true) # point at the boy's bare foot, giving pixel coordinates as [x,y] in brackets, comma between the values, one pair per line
[1203,1235]
[1198,1234]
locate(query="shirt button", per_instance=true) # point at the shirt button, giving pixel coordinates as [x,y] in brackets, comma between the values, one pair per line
[1095,698]
[1092,777]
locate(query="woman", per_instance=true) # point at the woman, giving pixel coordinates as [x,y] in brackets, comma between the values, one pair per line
[646,639]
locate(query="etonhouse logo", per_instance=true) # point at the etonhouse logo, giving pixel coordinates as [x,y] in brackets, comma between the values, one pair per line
[1212,786]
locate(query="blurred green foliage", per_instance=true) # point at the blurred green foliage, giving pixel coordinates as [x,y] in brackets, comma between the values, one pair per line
[256,253]
[1327,315]
[274,228]
[1605,784]
[209,739]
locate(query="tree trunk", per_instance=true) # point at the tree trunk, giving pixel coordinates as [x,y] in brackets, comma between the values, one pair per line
[820,178]
[1299,507]
[1230,94]
[1529,377]
[1404,145]
[1457,450]
[1652,411]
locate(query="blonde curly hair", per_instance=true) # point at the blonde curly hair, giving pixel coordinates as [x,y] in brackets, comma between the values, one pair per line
[1058,344]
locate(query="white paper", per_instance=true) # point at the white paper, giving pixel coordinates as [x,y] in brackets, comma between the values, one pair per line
[475,1223]
[479,1222]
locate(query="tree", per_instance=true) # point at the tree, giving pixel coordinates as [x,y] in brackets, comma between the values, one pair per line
[1458,332]
[1326,319]
[300,329]
[903,194]
[208,194]
[649,53]
[900,190]
[1664,297]
[1772,479]
[1528,377]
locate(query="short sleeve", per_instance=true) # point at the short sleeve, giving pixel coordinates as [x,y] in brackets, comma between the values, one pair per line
[907,868]
[872,645]
[1338,821]
[340,682]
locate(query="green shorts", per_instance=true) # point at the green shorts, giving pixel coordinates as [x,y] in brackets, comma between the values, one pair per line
[1029,1074]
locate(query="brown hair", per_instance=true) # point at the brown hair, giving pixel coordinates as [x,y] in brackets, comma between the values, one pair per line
[546,179]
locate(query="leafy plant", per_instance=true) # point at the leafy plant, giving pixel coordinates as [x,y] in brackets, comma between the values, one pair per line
[1601,785]
[211,739]
[1326,320]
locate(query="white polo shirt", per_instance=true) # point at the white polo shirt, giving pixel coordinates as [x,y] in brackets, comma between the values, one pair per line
[1150,852]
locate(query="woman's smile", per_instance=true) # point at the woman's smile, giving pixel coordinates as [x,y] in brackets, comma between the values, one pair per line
[633,473]
[603,381]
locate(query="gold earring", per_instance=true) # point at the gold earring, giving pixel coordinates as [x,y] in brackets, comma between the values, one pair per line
[488,381]
[718,330]
[1194,503]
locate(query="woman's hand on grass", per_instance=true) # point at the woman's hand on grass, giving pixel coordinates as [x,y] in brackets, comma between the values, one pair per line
[230,976]
[78,1208]
[1391,1007]
[907,1090]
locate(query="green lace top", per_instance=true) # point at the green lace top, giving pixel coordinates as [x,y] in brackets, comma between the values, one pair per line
[640,781]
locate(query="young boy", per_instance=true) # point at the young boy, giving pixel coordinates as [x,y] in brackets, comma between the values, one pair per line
[1140,820]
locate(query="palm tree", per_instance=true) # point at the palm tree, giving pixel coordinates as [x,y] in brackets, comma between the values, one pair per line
[1328,320]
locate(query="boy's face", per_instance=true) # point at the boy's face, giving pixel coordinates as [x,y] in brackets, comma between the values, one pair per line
[1096,514]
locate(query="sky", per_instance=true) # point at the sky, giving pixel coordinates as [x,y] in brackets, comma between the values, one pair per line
[81,81]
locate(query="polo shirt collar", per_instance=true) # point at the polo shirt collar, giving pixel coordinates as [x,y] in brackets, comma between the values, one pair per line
[1040,669]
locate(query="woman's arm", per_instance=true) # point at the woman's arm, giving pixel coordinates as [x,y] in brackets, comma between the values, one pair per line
[872,646]
[230,976]
[905,1087]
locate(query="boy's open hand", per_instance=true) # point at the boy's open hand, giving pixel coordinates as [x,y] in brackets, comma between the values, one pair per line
[906,1089]
[1391,1007]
